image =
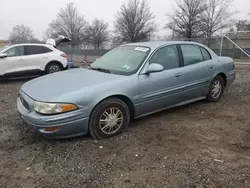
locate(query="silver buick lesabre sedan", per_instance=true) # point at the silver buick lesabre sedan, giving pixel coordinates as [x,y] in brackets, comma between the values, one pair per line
[128,82]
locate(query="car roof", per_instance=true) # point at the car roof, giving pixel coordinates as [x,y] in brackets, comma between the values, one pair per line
[156,44]
[30,44]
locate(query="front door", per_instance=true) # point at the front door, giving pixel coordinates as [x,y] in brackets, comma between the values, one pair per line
[161,89]
[14,62]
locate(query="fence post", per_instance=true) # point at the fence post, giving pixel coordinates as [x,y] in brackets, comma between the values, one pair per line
[221,44]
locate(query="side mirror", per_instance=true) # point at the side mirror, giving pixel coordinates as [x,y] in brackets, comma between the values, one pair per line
[3,55]
[154,67]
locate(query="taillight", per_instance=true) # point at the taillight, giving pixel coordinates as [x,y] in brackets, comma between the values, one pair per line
[64,55]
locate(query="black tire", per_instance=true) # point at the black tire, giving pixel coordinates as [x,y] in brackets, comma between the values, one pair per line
[94,128]
[3,79]
[210,97]
[53,67]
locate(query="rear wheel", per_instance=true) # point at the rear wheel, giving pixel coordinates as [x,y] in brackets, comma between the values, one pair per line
[53,67]
[109,118]
[216,89]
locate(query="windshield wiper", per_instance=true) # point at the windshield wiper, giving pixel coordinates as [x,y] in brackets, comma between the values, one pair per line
[101,69]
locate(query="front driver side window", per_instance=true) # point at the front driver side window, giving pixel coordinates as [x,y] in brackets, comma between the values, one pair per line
[11,52]
[15,51]
[167,57]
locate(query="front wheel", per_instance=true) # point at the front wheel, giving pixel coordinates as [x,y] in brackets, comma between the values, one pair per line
[3,80]
[216,89]
[109,118]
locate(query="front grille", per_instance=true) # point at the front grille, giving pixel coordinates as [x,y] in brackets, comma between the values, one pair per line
[24,103]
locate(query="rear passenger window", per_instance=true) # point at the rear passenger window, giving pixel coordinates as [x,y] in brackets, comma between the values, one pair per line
[191,54]
[205,54]
[33,50]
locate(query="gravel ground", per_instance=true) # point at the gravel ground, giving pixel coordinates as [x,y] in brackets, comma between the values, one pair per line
[197,145]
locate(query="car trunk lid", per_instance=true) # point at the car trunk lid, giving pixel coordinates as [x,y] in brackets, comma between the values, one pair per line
[60,39]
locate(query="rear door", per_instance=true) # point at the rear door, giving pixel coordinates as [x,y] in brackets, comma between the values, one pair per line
[36,57]
[161,89]
[198,71]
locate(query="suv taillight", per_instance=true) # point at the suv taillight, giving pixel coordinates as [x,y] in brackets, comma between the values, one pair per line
[64,55]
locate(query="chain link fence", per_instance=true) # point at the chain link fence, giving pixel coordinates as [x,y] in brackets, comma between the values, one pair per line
[225,47]
[220,45]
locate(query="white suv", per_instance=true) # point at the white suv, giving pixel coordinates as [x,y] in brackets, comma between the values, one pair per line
[22,60]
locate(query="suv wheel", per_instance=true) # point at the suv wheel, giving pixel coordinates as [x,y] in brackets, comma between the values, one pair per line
[53,67]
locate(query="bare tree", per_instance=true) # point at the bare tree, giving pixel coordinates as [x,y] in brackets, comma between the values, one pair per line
[36,40]
[49,33]
[134,22]
[166,37]
[21,34]
[70,23]
[216,17]
[185,20]
[243,25]
[97,34]
[116,41]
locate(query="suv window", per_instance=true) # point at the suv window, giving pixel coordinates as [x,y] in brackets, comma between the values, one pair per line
[191,54]
[167,56]
[32,50]
[15,51]
[205,54]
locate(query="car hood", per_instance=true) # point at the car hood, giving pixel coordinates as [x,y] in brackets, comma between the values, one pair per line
[49,87]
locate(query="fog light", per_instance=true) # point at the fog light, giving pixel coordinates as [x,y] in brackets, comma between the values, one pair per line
[52,129]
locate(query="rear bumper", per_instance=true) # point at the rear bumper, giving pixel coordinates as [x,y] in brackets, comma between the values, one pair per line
[69,124]
[231,77]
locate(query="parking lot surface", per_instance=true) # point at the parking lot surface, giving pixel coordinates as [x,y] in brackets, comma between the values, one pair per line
[197,145]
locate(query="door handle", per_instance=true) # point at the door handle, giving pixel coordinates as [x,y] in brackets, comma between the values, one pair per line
[211,67]
[178,75]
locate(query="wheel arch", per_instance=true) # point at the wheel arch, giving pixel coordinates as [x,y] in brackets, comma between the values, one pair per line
[224,76]
[123,98]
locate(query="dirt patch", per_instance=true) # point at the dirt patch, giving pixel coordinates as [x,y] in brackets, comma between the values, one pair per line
[197,145]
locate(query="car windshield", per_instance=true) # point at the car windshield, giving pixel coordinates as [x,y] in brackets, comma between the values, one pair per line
[125,60]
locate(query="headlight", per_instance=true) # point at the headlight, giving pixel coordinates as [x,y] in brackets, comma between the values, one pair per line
[53,108]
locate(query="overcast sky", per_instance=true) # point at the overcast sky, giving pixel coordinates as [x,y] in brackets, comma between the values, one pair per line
[38,13]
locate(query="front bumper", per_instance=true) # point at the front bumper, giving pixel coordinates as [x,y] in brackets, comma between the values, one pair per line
[71,124]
